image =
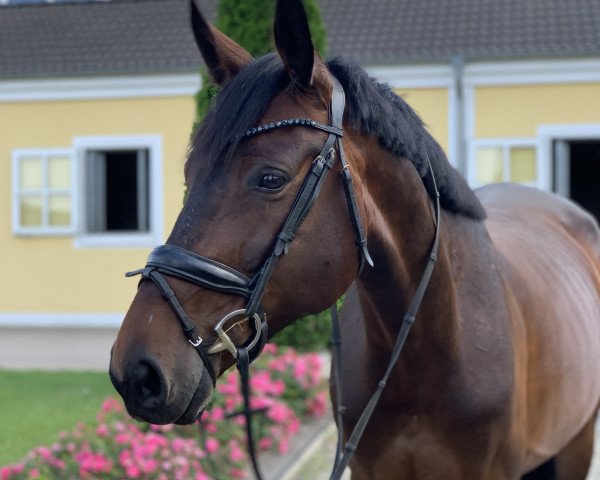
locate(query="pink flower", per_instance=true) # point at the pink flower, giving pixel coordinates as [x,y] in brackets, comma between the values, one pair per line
[132,471]
[265,443]
[102,430]
[122,438]
[210,428]
[278,412]
[284,446]
[212,445]
[111,404]
[294,426]
[217,414]
[237,473]
[34,473]
[149,466]
[44,452]
[300,370]
[236,454]
[317,406]
[278,387]
[5,473]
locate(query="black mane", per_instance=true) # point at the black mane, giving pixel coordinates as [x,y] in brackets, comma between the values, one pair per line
[373,109]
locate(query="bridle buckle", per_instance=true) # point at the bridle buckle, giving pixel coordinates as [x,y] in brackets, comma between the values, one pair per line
[225,342]
[196,343]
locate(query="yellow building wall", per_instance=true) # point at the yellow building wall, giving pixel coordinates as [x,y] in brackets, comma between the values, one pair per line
[48,274]
[432,106]
[517,111]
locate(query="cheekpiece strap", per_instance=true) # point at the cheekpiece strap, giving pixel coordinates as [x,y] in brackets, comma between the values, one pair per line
[152,274]
[337,115]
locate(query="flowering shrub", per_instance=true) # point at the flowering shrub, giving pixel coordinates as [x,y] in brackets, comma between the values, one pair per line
[287,385]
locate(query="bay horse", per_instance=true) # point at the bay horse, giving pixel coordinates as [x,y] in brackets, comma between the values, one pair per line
[499,376]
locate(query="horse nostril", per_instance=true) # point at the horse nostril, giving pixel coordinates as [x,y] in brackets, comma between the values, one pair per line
[149,384]
[148,381]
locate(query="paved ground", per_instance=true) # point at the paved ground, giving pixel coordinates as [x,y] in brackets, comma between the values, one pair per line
[56,348]
[317,464]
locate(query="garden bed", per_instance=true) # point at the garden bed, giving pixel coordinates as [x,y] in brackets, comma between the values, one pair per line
[288,385]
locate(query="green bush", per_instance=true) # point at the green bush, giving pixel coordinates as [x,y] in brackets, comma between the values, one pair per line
[308,334]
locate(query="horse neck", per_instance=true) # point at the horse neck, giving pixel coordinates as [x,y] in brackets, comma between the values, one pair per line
[401,230]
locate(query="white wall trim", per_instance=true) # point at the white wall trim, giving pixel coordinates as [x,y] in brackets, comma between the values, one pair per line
[105,87]
[154,144]
[576,131]
[453,145]
[583,70]
[519,72]
[81,320]
[414,76]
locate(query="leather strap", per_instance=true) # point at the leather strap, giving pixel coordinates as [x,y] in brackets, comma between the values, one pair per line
[302,205]
[336,345]
[359,231]
[204,272]
[188,327]
[407,323]
[243,367]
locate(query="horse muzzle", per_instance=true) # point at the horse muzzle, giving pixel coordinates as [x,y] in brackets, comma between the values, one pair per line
[151,395]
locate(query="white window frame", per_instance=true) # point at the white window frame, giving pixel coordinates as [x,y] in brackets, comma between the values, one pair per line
[151,143]
[18,192]
[547,134]
[506,144]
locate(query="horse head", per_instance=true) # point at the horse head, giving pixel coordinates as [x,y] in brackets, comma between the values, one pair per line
[246,173]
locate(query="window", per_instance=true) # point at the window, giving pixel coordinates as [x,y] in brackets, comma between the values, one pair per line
[121,202]
[43,192]
[504,161]
[106,191]
[117,197]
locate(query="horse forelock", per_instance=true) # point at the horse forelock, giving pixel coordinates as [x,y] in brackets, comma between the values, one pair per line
[238,106]
[373,109]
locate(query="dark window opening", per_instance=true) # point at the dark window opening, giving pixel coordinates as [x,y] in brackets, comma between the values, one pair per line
[584,183]
[117,196]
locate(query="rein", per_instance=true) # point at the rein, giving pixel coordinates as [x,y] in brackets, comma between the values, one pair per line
[173,261]
[342,457]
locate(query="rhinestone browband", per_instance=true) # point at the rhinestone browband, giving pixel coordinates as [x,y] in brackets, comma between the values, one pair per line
[290,123]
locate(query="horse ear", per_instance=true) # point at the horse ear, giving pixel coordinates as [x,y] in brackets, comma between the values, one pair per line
[293,41]
[223,57]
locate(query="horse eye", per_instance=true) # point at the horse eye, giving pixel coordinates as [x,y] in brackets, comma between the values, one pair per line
[272,182]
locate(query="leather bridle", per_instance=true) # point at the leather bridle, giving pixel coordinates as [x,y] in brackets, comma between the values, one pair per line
[177,262]
[173,261]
